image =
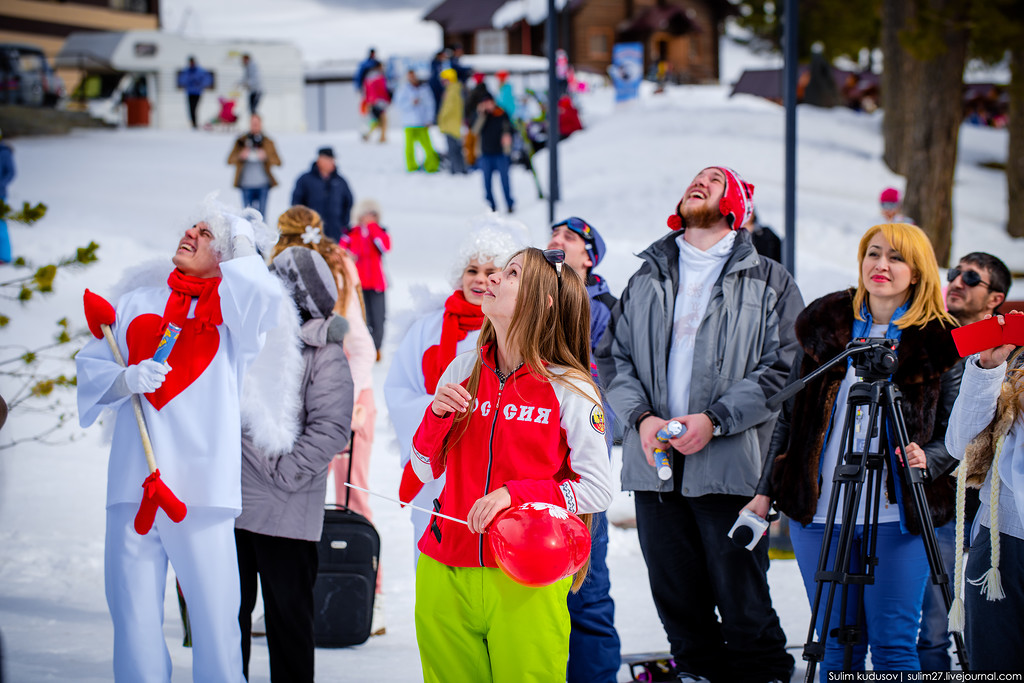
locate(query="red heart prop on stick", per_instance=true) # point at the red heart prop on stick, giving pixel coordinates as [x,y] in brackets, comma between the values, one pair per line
[192,353]
[155,494]
[536,544]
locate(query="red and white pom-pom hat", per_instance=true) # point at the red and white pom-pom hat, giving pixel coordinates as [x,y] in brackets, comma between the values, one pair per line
[737,203]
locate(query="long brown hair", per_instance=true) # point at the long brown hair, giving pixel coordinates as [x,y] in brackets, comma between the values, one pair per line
[293,224]
[550,325]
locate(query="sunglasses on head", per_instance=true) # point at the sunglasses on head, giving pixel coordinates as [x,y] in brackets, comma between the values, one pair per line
[556,257]
[577,225]
[971,278]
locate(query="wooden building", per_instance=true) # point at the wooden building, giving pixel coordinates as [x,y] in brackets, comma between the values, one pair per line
[47,23]
[684,34]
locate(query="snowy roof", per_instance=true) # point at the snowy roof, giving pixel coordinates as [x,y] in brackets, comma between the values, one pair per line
[462,16]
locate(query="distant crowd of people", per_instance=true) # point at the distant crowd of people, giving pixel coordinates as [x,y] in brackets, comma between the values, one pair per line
[482,129]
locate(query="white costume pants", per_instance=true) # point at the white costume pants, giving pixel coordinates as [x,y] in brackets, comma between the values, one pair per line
[201,548]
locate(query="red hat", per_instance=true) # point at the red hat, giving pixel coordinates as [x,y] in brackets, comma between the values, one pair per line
[737,203]
[478,77]
[890,195]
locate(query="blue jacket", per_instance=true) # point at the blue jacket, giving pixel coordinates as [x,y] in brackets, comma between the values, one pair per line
[362,69]
[330,197]
[415,105]
[194,79]
[6,168]
[601,302]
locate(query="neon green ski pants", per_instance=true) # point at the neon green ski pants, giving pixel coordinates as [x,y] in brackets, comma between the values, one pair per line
[474,625]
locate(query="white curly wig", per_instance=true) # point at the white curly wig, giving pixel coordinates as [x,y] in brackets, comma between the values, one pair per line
[492,237]
[216,214]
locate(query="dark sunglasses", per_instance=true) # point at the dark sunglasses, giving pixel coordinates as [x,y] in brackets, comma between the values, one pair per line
[556,257]
[577,225]
[971,278]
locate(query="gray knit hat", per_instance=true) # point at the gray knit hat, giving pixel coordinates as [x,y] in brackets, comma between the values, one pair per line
[307,276]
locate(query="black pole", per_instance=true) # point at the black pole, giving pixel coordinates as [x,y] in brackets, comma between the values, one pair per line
[552,31]
[790,27]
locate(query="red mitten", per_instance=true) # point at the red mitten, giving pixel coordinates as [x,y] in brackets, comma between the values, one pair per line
[156,494]
[145,516]
[174,508]
[98,311]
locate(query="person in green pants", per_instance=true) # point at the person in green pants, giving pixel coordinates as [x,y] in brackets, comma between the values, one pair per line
[415,104]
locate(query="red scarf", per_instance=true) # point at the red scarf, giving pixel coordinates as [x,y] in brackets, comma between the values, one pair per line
[460,318]
[184,288]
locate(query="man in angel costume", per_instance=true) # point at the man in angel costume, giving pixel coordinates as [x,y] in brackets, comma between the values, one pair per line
[225,301]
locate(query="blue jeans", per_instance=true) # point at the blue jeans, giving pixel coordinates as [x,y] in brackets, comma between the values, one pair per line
[256,198]
[892,605]
[694,568]
[995,628]
[489,163]
[933,641]
[593,642]
[456,162]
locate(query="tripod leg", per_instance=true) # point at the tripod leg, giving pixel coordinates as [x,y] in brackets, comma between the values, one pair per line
[914,480]
[851,472]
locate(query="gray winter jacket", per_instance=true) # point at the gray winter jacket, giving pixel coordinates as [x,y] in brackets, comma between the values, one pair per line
[284,495]
[744,348]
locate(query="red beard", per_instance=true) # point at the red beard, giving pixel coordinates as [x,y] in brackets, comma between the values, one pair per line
[702,216]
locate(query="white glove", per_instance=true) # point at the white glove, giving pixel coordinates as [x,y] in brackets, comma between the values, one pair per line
[146,377]
[240,227]
[243,236]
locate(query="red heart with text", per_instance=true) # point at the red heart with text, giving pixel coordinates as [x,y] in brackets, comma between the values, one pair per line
[192,353]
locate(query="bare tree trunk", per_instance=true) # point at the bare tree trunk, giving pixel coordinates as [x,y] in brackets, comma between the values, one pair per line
[1015,155]
[933,99]
[895,123]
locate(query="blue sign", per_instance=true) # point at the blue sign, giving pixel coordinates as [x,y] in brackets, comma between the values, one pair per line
[627,70]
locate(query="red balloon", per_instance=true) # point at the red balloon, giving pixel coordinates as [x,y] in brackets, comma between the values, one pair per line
[536,544]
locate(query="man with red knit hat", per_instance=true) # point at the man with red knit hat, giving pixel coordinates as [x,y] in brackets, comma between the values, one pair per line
[703,334]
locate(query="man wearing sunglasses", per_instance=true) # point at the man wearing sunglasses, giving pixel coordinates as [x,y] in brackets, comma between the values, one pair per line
[978,285]
[593,642]
[703,334]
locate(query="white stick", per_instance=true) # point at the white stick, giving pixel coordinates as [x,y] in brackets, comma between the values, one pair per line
[396,500]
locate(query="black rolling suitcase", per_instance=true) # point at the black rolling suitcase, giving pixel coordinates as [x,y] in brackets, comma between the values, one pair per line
[343,593]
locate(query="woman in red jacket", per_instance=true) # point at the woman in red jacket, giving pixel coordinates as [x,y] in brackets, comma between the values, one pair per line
[517,419]
[368,242]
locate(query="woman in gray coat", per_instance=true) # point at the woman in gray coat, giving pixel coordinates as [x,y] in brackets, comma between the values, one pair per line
[283,493]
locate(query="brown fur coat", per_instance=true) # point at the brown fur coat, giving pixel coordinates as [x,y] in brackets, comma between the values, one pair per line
[928,376]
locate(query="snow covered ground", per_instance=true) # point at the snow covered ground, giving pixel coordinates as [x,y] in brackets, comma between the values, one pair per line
[132,192]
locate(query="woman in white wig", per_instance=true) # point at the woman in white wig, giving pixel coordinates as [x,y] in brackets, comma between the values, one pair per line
[433,341]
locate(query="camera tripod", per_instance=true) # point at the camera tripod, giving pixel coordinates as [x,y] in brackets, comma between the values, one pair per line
[858,473]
